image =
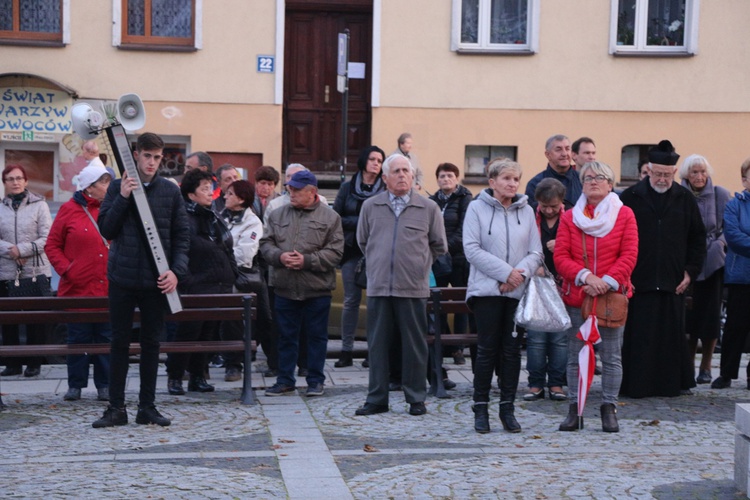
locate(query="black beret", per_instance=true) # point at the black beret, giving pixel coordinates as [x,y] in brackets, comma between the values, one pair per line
[663,154]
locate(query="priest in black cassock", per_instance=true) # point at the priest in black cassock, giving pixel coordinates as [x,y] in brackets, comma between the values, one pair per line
[671,249]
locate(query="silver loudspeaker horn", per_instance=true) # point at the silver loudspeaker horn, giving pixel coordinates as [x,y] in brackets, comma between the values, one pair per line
[130,111]
[86,121]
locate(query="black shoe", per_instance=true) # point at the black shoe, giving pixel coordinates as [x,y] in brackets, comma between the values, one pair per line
[150,415]
[371,409]
[704,377]
[233,375]
[365,363]
[481,418]
[32,371]
[721,382]
[73,394]
[448,384]
[10,371]
[314,390]
[534,395]
[302,372]
[217,361]
[609,418]
[112,417]
[508,418]
[417,409]
[344,360]
[199,384]
[458,357]
[279,390]
[174,387]
[572,422]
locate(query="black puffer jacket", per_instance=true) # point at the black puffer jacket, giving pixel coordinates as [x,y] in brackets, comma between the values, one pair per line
[454,211]
[211,267]
[130,262]
[348,204]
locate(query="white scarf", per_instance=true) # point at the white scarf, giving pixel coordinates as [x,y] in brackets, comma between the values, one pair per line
[605,215]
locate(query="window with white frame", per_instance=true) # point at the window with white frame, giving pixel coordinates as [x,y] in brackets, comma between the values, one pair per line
[502,26]
[477,157]
[654,27]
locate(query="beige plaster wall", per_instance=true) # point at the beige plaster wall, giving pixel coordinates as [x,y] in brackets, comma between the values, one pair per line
[441,135]
[235,32]
[573,69]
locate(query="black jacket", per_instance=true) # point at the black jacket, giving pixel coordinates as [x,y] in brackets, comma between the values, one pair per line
[454,210]
[211,266]
[130,262]
[348,204]
[671,240]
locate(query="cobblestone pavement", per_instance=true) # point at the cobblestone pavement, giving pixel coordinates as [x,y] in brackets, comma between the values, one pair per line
[298,447]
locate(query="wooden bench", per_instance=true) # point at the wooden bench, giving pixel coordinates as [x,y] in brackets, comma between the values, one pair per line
[213,307]
[450,300]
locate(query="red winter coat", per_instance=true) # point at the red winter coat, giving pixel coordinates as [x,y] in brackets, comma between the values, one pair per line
[76,250]
[614,254]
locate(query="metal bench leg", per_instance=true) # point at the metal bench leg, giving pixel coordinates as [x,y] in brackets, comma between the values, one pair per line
[248,397]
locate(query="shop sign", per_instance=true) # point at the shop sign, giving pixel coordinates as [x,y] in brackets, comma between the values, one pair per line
[36,110]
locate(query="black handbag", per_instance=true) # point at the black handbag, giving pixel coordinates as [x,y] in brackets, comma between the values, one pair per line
[249,279]
[443,266]
[360,274]
[36,286]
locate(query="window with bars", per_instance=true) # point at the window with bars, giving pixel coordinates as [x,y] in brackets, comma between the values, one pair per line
[31,21]
[160,23]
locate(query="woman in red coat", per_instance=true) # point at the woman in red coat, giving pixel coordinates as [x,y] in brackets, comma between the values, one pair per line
[79,255]
[611,237]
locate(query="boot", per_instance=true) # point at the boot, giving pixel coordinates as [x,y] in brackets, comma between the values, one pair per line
[507,417]
[481,418]
[344,360]
[199,384]
[609,418]
[572,422]
[174,387]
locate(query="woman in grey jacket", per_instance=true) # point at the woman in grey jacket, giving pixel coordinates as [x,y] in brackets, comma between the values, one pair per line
[502,244]
[25,222]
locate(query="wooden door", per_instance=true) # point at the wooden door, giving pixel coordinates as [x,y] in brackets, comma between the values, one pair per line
[312,105]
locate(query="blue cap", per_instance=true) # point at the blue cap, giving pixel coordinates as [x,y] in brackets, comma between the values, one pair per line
[301,179]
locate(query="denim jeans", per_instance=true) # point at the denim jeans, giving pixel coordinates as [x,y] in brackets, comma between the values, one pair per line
[352,300]
[610,352]
[546,358]
[122,304]
[292,317]
[78,365]
[498,344]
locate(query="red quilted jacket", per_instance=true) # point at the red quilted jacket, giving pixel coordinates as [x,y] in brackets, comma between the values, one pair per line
[614,254]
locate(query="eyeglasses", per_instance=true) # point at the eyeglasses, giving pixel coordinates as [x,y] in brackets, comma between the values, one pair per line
[598,178]
[662,175]
[14,179]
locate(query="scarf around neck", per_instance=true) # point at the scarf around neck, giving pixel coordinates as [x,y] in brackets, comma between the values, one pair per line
[603,220]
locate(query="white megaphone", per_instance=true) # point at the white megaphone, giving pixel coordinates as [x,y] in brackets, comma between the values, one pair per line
[86,121]
[130,112]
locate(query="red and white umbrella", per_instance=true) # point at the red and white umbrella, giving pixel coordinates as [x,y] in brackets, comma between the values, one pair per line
[589,334]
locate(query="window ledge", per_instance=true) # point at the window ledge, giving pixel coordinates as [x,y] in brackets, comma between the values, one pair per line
[32,43]
[497,52]
[476,180]
[652,53]
[157,48]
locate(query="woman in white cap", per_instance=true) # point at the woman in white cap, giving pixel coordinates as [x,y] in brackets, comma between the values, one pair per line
[79,255]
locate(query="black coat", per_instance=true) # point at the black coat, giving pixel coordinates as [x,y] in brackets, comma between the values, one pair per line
[454,211]
[670,241]
[348,204]
[130,262]
[211,267]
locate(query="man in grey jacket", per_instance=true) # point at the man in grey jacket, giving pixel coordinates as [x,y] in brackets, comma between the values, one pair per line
[304,243]
[401,234]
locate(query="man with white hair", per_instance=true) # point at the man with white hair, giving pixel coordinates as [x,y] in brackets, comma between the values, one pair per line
[401,234]
[671,250]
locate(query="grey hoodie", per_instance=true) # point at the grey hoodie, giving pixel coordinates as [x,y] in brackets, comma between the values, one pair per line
[498,240]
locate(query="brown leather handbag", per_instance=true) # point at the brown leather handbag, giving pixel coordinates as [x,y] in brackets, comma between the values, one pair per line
[611,308]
